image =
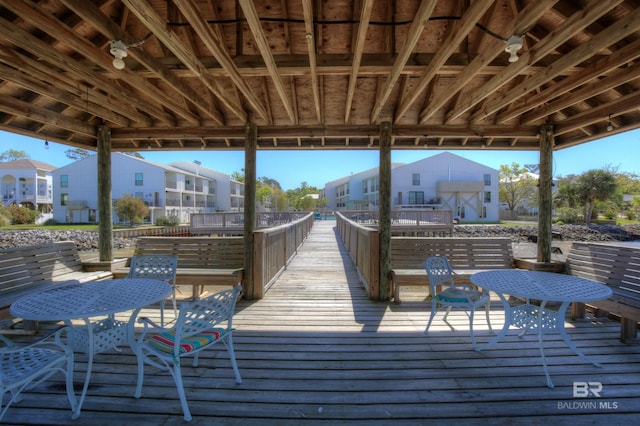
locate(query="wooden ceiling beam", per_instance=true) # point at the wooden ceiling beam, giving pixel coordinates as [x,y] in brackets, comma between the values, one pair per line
[212,41]
[459,31]
[307,8]
[622,28]
[599,113]
[413,35]
[251,14]
[623,76]
[93,15]
[604,66]
[358,50]
[150,19]
[528,17]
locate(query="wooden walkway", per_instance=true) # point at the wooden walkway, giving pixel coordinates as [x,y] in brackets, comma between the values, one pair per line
[317,351]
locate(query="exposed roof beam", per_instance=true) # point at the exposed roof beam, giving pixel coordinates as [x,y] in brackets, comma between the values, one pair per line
[413,35]
[93,15]
[307,7]
[605,65]
[458,32]
[147,15]
[529,16]
[211,39]
[251,14]
[575,23]
[358,50]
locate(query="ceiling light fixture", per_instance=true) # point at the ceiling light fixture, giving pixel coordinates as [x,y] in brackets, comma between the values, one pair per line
[609,124]
[46,144]
[514,43]
[119,51]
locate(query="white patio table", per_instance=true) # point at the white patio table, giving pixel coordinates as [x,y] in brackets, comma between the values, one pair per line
[92,300]
[545,287]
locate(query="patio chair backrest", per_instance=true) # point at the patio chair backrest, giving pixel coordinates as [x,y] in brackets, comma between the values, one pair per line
[156,266]
[439,272]
[214,311]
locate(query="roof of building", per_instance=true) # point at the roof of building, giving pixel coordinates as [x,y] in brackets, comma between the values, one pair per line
[27,164]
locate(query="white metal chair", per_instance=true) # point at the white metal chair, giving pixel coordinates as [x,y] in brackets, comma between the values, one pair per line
[200,324]
[445,293]
[160,267]
[22,368]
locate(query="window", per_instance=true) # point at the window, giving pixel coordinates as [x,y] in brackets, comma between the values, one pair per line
[483,213]
[415,179]
[64,199]
[487,197]
[416,197]
[487,179]
[64,181]
[139,179]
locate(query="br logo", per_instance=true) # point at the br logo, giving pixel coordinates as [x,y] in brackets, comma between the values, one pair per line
[586,389]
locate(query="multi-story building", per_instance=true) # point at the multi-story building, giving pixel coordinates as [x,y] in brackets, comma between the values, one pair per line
[442,182]
[168,190]
[27,183]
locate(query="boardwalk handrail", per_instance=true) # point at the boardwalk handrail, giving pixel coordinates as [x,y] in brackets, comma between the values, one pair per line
[409,222]
[363,245]
[274,247]
[233,222]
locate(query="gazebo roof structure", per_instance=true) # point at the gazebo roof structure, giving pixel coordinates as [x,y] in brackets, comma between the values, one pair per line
[448,74]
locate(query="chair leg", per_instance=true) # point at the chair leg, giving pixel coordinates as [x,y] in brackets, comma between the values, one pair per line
[434,308]
[473,337]
[232,356]
[177,376]
[73,401]
[175,305]
[488,312]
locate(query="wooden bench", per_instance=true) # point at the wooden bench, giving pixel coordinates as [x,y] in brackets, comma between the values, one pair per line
[28,269]
[619,268]
[466,256]
[201,260]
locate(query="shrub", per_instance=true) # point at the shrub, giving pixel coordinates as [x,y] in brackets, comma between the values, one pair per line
[168,221]
[569,215]
[22,215]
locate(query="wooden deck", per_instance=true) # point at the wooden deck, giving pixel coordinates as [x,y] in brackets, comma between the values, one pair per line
[315,350]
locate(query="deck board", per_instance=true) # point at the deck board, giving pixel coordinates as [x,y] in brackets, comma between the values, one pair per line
[316,350]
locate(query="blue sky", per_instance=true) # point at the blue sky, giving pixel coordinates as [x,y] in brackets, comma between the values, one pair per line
[318,167]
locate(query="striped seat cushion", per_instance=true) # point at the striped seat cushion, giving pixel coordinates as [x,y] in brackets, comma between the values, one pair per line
[458,295]
[166,341]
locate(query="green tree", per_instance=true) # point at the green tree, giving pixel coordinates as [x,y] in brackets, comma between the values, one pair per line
[12,155]
[238,176]
[130,209]
[593,186]
[515,186]
[567,193]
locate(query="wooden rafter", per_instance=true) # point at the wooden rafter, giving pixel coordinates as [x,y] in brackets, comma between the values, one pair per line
[417,26]
[145,13]
[253,20]
[358,50]
[307,7]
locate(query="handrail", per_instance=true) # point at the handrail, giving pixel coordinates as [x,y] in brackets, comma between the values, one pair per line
[274,248]
[363,245]
[233,222]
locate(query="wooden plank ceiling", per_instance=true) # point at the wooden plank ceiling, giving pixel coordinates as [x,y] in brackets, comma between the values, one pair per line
[319,73]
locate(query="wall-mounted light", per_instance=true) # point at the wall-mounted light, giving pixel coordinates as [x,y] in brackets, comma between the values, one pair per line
[514,43]
[46,144]
[609,124]
[119,52]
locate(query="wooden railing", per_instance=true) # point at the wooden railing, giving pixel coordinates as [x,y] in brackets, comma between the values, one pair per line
[274,248]
[362,243]
[409,222]
[233,223]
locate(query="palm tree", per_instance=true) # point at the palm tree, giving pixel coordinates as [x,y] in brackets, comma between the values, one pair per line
[595,185]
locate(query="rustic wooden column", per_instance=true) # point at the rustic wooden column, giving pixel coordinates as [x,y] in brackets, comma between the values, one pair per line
[385,211]
[250,145]
[545,193]
[105,223]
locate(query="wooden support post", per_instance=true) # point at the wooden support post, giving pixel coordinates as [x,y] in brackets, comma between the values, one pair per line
[545,193]
[250,146]
[384,292]
[105,216]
